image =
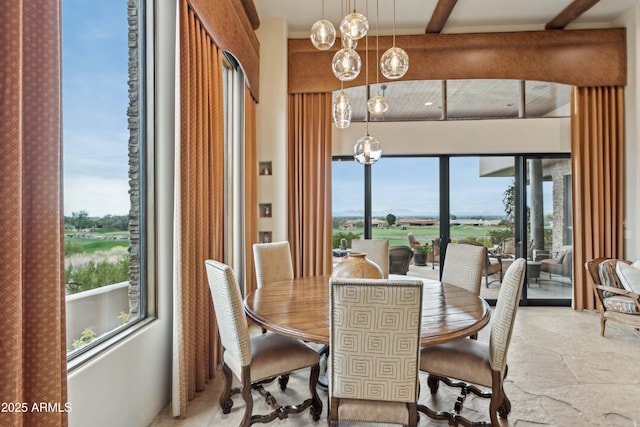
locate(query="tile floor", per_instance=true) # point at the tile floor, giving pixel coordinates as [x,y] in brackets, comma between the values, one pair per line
[561,373]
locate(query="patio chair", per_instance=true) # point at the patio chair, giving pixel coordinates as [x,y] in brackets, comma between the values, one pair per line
[374,330]
[256,360]
[560,263]
[399,259]
[376,250]
[613,300]
[470,361]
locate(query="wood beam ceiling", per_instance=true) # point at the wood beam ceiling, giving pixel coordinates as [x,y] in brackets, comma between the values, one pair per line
[440,15]
[569,14]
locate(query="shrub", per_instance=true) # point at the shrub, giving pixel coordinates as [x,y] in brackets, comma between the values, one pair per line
[348,236]
[96,274]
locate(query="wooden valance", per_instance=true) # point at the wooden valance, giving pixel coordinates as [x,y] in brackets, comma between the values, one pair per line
[575,57]
[231,23]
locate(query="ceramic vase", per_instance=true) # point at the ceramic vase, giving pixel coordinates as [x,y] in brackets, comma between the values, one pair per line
[356,264]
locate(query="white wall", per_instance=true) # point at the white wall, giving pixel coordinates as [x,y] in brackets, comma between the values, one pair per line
[129,384]
[508,136]
[271,124]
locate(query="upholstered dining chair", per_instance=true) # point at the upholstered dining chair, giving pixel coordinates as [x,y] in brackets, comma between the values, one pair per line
[272,262]
[374,333]
[399,259]
[463,266]
[470,361]
[376,250]
[492,265]
[259,359]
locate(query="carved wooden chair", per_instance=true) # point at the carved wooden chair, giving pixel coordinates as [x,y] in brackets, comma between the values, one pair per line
[613,301]
[256,360]
[470,361]
[399,259]
[272,262]
[376,250]
[375,343]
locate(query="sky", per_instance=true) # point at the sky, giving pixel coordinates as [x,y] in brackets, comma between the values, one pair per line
[94,107]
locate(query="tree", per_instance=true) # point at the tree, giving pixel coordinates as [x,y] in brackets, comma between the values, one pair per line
[81,220]
[391,219]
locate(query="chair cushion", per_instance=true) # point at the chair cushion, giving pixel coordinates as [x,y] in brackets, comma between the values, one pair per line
[620,304]
[367,410]
[608,276]
[273,355]
[629,277]
[463,359]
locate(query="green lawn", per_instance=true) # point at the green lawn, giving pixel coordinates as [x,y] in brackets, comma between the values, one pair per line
[398,237]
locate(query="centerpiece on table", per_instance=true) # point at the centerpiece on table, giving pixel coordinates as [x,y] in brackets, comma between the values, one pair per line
[420,253]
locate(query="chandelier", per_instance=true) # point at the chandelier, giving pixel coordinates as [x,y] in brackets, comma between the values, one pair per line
[346,66]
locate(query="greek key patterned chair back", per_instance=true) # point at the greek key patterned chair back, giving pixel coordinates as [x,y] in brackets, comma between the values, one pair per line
[504,314]
[375,339]
[227,303]
[273,262]
[376,250]
[464,265]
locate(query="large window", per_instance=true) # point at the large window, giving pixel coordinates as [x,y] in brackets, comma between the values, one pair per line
[104,169]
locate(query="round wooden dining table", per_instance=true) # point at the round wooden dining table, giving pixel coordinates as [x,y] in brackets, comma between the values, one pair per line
[299,308]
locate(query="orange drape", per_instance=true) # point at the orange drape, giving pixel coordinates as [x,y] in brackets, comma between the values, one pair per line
[33,364]
[200,228]
[309,192]
[597,153]
[250,191]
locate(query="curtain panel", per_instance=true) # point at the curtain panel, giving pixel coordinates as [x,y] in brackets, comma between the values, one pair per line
[597,153]
[33,363]
[250,191]
[309,192]
[200,209]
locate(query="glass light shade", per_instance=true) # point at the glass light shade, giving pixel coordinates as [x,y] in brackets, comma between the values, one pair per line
[346,64]
[367,150]
[323,34]
[394,63]
[354,25]
[378,105]
[342,111]
[348,42]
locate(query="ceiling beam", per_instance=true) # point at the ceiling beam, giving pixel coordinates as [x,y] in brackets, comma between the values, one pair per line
[569,14]
[440,15]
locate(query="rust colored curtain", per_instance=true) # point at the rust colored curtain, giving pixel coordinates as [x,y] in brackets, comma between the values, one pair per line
[250,190]
[309,192]
[597,150]
[33,364]
[200,208]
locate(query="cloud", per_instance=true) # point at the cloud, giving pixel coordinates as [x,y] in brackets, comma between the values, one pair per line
[98,196]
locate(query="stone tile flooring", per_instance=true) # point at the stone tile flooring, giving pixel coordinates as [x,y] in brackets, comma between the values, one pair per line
[561,373]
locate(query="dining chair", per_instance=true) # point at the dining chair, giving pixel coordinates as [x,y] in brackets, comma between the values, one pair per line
[491,265]
[374,335]
[470,361]
[256,360]
[463,266]
[376,250]
[272,262]
[399,259]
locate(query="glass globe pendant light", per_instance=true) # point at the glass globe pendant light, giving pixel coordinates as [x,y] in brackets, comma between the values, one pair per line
[342,110]
[323,33]
[394,63]
[354,26]
[378,104]
[367,150]
[346,64]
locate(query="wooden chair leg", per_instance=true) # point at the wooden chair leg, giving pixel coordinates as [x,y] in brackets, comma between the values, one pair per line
[246,396]
[496,398]
[603,320]
[316,403]
[225,398]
